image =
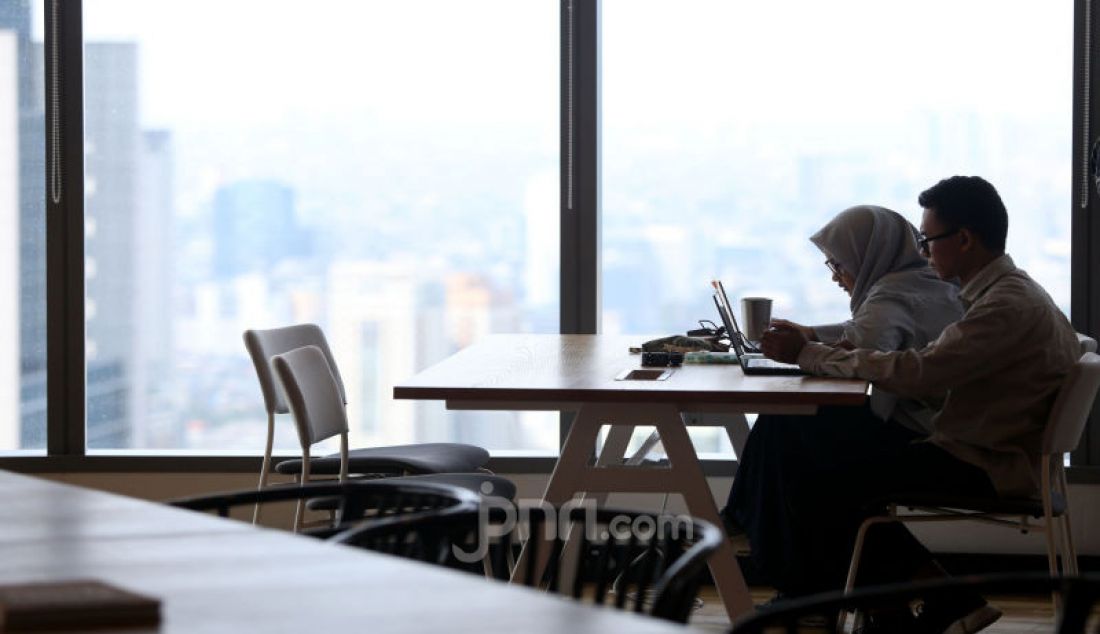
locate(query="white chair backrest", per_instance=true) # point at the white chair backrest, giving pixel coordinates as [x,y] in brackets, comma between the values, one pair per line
[312,394]
[1072,406]
[264,344]
[1088,344]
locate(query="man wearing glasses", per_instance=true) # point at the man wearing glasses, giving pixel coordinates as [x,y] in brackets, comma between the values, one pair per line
[993,376]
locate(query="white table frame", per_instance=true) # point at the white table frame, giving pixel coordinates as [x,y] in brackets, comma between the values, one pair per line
[613,473]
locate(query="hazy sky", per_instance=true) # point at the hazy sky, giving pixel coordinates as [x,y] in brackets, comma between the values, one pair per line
[322,93]
[845,57]
[993,55]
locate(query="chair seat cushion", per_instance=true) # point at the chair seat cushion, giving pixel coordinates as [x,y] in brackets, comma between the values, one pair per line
[497,486]
[999,506]
[484,484]
[438,457]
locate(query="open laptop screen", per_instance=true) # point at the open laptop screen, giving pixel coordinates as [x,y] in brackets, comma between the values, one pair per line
[731,326]
[734,330]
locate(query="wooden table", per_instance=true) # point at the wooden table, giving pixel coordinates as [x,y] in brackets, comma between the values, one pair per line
[217,575]
[577,373]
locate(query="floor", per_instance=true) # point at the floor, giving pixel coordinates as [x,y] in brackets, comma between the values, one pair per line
[1021,614]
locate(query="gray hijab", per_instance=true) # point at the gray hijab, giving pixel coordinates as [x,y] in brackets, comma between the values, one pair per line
[869,242]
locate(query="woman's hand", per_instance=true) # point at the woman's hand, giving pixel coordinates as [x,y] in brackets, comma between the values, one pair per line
[782,343]
[806,331]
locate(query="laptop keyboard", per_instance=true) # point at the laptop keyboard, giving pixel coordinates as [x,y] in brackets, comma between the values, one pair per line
[764,362]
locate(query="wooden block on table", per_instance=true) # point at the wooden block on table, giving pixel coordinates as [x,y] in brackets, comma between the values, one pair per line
[73,605]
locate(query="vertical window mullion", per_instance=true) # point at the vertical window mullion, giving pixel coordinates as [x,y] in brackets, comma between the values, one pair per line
[63,56]
[580,171]
[1085,256]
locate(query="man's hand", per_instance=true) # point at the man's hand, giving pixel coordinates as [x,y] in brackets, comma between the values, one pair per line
[844,344]
[783,343]
[806,331]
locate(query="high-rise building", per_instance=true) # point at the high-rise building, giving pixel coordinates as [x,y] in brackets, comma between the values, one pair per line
[372,327]
[9,241]
[112,142]
[25,215]
[151,393]
[255,227]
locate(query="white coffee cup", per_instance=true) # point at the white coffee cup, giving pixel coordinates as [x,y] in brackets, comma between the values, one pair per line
[756,315]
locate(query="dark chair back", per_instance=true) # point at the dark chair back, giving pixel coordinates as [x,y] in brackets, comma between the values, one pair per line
[635,561]
[428,535]
[1079,595]
[359,501]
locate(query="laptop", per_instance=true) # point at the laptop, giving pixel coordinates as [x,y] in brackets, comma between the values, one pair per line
[752,363]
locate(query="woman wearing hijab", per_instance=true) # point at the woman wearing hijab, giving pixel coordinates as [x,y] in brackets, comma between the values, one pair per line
[898,302]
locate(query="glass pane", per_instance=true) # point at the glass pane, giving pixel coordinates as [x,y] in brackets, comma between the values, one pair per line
[387,170]
[750,126]
[22,228]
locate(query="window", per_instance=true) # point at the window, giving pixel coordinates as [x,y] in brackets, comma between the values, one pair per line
[22,229]
[386,170]
[733,131]
[391,171]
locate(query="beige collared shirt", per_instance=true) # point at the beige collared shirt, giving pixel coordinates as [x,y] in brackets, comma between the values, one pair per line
[997,371]
[904,309]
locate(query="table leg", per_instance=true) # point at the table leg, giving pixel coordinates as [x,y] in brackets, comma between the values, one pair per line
[566,478]
[737,428]
[572,475]
[612,453]
[687,479]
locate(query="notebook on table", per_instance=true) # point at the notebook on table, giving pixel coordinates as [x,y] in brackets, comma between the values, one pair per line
[752,362]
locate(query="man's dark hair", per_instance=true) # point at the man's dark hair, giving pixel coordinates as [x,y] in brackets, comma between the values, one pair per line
[969,202]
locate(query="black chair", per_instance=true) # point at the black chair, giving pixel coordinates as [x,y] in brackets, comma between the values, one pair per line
[357,502]
[1079,595]
[642,562]
[429,536]
[648,571]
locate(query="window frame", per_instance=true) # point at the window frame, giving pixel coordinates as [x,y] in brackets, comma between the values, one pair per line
[580,215]
[1085,228]
[65,328]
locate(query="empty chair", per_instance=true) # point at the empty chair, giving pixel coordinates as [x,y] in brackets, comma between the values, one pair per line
[1049,513]
[425,458]
[355,501]
[314,399]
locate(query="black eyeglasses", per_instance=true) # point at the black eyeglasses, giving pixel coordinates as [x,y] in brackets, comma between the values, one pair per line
[923,240]
[833,267]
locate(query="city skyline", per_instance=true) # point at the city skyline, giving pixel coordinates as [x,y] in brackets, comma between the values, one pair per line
[408,229]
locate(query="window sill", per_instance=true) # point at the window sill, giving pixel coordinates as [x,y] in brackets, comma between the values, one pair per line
[505,462]
[122,461]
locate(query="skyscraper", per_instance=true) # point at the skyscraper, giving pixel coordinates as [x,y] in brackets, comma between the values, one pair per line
[9,241]
[112,144]
[255,227]
[150,388]
[26,216]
